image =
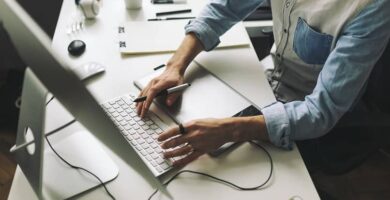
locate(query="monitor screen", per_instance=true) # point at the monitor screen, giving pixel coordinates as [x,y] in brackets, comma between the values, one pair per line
[44,12]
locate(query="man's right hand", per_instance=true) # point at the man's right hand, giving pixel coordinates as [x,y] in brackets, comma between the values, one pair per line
[171,77]
[173,74]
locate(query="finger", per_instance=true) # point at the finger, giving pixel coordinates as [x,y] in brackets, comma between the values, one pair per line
[193,156]
[169,133]
[174,142]
[139,105]
[179,152]
[171,99]
[152,92]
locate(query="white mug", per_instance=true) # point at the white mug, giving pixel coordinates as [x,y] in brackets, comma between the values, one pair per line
[133,4]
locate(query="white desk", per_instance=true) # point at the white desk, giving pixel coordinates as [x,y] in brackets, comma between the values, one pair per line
[246,166]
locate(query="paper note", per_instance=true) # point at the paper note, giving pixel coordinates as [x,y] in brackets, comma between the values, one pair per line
[166,36]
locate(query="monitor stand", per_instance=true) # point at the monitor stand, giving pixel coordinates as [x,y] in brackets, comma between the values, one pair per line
[50,177]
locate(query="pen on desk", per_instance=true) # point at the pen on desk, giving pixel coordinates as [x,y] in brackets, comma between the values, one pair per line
[168,1]
[178,88]
[173,12]
[169,18]
[159,67]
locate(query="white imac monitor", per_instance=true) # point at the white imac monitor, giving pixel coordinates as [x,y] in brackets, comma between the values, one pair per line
[50,73]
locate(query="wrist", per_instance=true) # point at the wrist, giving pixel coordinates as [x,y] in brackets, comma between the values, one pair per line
[187,51]
[249,128]
[176,66]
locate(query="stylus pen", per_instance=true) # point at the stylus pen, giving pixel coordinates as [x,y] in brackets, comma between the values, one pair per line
[173,12]
[169,18]
[178,88]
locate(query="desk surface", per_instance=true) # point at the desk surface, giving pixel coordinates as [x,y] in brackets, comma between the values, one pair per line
[246,166]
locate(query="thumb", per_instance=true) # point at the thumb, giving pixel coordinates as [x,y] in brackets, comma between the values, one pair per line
[171,99]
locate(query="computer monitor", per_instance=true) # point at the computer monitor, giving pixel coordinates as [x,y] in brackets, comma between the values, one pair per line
[50,72]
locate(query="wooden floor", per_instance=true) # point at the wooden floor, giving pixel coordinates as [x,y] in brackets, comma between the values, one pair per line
[7,163]
[370,181]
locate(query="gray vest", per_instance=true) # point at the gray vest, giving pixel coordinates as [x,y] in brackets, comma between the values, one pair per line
[305,31]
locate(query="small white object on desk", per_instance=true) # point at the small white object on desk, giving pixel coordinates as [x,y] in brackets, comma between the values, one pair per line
[133,4]
[88,70]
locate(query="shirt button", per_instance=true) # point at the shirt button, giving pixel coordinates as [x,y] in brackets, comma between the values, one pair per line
[287,4]
[278,55]
[285,30]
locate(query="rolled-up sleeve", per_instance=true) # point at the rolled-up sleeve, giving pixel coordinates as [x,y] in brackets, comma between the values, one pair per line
[339,84]
[217,17]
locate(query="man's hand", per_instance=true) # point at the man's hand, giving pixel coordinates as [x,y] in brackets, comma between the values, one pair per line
[173,74]
[206,135]
[169,78]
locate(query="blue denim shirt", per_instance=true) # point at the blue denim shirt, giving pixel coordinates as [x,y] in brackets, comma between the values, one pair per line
[342,78]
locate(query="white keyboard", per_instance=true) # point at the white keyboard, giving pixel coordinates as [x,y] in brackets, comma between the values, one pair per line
[140,133]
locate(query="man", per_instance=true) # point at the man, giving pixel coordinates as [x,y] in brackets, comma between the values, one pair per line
[323,54]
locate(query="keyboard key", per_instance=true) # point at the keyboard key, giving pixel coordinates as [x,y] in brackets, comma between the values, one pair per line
[140,141]
[164,166]
[136,136]
[136,127]
[138,148]
[144,126]
[149,150]
[127,127]
[144,135]
[132,132]
[154,146]
[136,118]
[145,146]
[159,169]
[129,137]
[144,153]
[158,150]
[127,118]
[107,106]
[119,118]
[115,114]
[148,122]
[124,132]
[159,131]
[149,140]
[154,127]
[154,164]
[148,157]
[142,123]
[141,132]
[127,100]
[133,142]
[122,123]
[150,132]
[160,160]
[155,156]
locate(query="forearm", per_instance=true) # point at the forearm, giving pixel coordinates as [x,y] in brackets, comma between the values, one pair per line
[247,128]
[187,51]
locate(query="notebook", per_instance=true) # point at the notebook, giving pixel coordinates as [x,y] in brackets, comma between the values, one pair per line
[166,36]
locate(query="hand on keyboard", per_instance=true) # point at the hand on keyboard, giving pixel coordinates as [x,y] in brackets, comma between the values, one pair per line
[169,78]
[202,136]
